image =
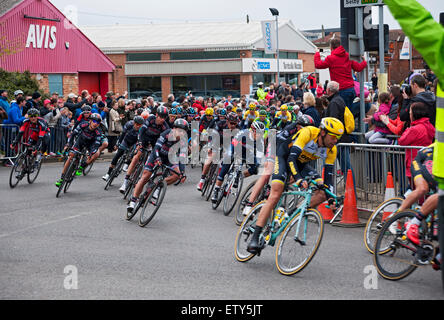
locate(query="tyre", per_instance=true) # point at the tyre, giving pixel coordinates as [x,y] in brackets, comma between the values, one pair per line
[394,254]
[222,189]
[239,217]
[70,174]
[208,179]
[32,176]
[17,171]
[245,234]
[88,168]
[211,188]
[151,205]
[377,219]
[293,255]
[233,194]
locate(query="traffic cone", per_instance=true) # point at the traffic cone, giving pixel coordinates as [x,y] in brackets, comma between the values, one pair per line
[350,210]
[327,214]
[389,193]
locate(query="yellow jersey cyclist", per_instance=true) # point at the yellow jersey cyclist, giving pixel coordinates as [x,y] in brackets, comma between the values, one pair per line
[282,118]
[250,115]
[308,144]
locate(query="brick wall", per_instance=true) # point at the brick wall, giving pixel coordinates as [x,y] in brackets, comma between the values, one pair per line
[43,82]
[308,60]
[70,84]
[118,81]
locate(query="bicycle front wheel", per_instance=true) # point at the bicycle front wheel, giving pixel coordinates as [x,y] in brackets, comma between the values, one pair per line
[239,216]
[233,195]
[377,219]
[152,204]
[70,174]
[17,171]
[245,234]
[34,172]
[295,251]
[394,254]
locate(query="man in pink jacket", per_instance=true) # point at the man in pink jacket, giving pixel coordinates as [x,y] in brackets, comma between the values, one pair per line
[340,67]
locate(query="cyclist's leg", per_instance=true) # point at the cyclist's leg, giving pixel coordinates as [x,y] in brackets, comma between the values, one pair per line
[421,190]
[104,144]
[412,227]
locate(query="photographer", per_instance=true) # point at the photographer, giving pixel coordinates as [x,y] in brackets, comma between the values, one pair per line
[416,92]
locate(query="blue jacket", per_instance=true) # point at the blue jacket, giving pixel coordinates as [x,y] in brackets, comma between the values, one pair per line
[4,104]
[312,112]
[15,115]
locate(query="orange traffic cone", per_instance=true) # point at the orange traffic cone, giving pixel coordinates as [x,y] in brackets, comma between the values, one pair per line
[389,193]
[327,214]
[350,210]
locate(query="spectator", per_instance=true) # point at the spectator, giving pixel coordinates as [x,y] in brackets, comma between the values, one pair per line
[418,94]
[4,104]
[340,67]
[309,108]
[170,100]
[374,81]
[319,106]
[72,105]
[377,136]
[34,102]
[199,105]
[420,133]
[115,124]
[319,91]
[313,85]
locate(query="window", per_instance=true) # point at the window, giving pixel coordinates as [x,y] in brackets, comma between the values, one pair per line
[143,56]
[215,86]
[140,87]
[55,83]
[261,54]
[204,55]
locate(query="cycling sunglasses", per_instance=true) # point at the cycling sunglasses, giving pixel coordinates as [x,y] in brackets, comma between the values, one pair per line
[233,123]
[335,135]
[95,121]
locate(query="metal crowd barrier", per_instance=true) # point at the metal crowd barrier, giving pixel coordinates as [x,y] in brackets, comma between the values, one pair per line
[8,132]
[370,164]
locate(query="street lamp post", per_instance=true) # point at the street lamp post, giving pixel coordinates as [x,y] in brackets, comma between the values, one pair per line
[275,13]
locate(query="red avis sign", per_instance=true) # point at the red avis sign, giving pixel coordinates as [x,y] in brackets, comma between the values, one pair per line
[41,36]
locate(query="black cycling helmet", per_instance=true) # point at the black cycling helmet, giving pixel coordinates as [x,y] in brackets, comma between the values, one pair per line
[86,108]
[139,120]
[232,117]
[273,108]
[33,112]
[305,120]
[162,112]
[223,112]
[96,117]
[191,111]
[139,111]
[181,123]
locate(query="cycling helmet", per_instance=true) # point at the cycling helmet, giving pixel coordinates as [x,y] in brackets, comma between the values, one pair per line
[290,108]
[162,112]
[86,108]
[96,117]
[232,117]
[191,111]
[179,110]
[145,114]
[229,107]
[173,111]
[181,123]
[305,120]
[209,111]
[333,126]
[252,106]
[258,125]
[139,120]
[263,112]
[33,112]
[284,107]
[139,111]
[222,112]
[175,104]
[273,108]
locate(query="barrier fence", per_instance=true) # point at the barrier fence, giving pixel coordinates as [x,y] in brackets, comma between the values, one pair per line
[370,165]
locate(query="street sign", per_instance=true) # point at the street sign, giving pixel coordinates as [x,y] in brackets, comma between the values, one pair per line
[362,3]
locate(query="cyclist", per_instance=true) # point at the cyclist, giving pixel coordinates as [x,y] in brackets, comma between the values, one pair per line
[272,113]
[127,140]
[247,138]
[309,144]
[148,135]
[220,127]
[285,137]
[34,129]
[160,155]
[84,115]
[263,117]
[172,116]
[206,119]
[424,183]
[282,118]
[250,115]
[88,136]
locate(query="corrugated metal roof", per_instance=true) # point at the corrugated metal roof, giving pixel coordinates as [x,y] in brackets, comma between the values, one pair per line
[175,36]
[6,5]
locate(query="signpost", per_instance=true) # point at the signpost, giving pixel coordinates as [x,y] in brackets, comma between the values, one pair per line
[362,3]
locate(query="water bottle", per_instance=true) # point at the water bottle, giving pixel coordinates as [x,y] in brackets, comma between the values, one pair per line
[279,217]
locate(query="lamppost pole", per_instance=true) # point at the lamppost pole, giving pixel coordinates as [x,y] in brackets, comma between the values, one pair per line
[275,13]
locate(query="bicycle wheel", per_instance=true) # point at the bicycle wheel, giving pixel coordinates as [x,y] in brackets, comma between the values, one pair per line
[114,173]
[222,191]
[239,216]
[245,234]
[208,179]
[233,194]
[88,169]
[70,174]
[34,172]
[394,254]
[377,219]
[212,184]
[17,171]
[295,251]
[151,205]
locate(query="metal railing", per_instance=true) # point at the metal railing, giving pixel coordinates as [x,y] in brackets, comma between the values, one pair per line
[8,132]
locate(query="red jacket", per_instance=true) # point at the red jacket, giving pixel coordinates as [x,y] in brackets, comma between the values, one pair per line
[420,133]
[198,106]
[340,67]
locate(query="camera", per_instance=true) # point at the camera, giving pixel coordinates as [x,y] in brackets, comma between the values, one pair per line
[408,90]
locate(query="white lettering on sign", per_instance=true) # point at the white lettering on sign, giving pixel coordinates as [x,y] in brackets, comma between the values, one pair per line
[41,36]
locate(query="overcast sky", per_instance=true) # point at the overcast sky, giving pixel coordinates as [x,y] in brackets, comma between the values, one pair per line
[305,14]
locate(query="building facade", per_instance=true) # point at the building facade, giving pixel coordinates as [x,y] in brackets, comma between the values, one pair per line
[38,38]
[208,59]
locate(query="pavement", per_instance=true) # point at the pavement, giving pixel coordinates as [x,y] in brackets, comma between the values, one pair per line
[80,246]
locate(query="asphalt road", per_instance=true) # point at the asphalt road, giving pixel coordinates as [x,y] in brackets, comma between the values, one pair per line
[186,252]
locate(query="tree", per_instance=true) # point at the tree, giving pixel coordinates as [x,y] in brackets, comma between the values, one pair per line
[13,81]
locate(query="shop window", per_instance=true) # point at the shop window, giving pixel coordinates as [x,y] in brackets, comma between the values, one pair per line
[140,87]
[204,55]
[143,56]
[55,83]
